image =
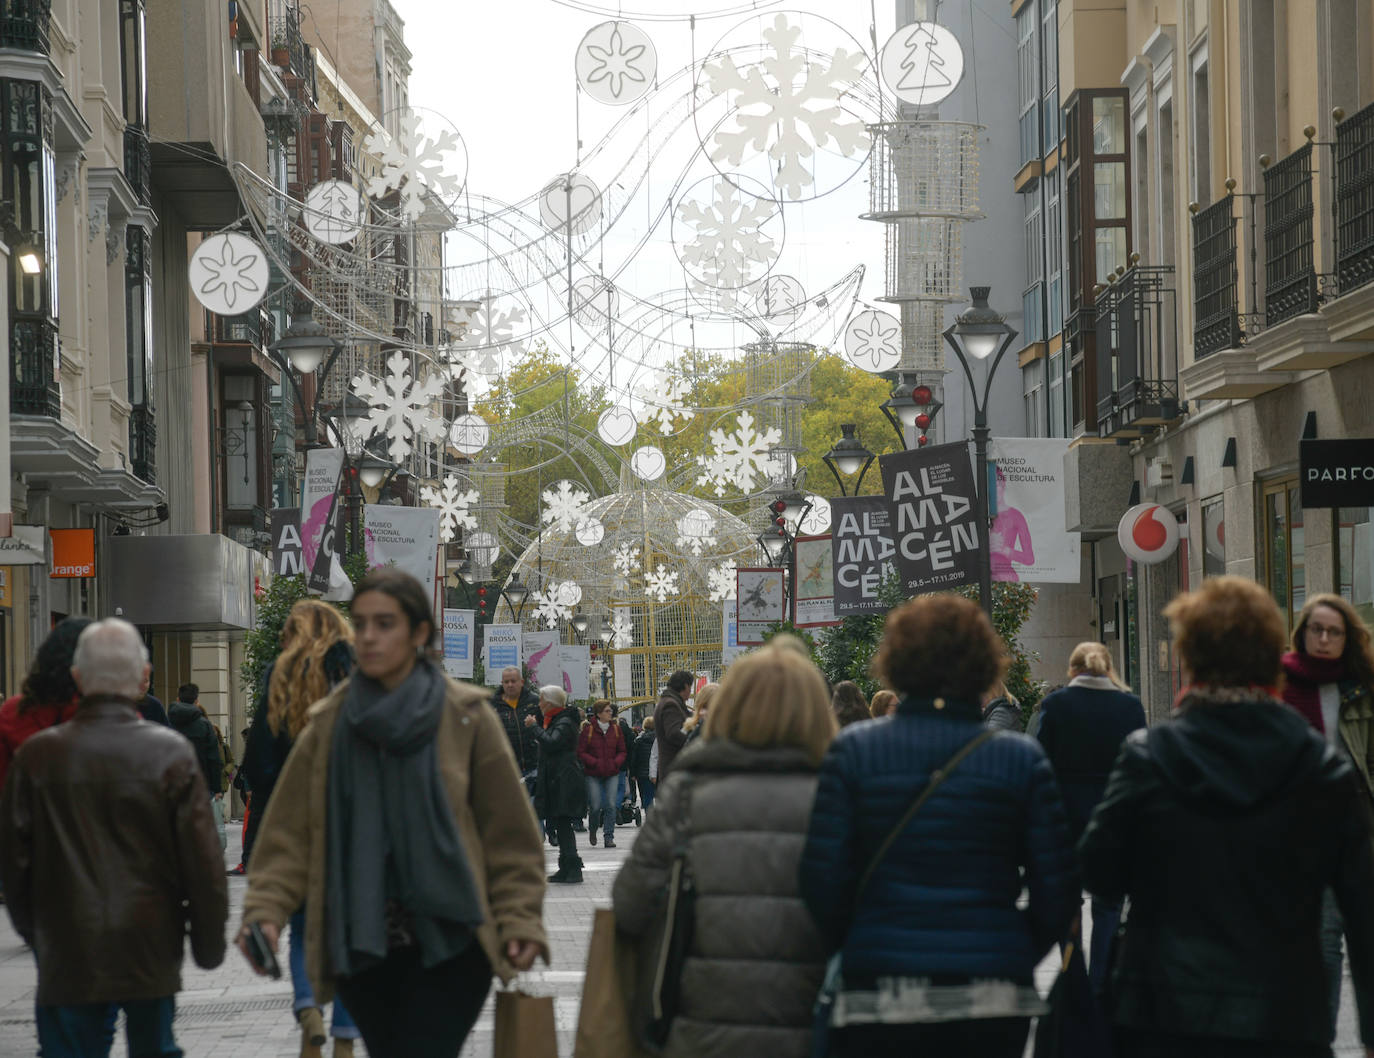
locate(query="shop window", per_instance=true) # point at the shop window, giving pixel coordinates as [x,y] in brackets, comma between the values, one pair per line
[1213,538]
[1283,550]
[1355,559]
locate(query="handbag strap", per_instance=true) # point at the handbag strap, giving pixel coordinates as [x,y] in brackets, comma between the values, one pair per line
[937,777]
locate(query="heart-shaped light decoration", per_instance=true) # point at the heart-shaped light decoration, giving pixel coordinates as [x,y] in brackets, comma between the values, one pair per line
[616,426]
[648,463]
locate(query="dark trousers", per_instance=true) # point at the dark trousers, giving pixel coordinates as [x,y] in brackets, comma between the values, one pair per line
[983,1038]
[406,1011]
[646,791]
[87,1030]
[1168,1045]
[567,843]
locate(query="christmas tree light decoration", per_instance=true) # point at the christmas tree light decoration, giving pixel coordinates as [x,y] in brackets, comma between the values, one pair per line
[616,63]
[696,531]
[660,583]
[648,463]
[413,163]
[787,107]
[922,63]
[590,532]
[570,195]
[402,410]
[228,273]
[454,505]
[726,237]
[469,434]
[817,519]
[616,426]
[739,459]
[333,212]
[722,581]
[780,300]
[563,506]
[873,341]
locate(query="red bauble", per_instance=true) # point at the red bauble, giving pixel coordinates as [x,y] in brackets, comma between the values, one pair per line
[481,591]
[922,420]
[922,395]
[923,440]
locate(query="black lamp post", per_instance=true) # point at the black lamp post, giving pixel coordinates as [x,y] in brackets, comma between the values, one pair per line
[516,593]
[980,332]
[301,350]
[848,456]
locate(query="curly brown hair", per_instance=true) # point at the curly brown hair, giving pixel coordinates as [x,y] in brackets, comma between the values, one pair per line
[298,677]
[1228,633]
[849,703]
[940,646]
[1358,654]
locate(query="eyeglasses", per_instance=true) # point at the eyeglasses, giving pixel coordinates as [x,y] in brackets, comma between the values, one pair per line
[1322,632]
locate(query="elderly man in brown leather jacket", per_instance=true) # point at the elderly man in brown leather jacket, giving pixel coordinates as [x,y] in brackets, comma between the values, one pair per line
[110,859]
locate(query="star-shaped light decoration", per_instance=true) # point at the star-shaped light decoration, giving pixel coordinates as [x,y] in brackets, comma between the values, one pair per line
[616,63]
[229,273]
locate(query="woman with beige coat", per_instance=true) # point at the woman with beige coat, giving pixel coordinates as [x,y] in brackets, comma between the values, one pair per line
[401,823]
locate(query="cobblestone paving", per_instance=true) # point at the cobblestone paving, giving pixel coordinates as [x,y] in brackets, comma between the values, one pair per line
[231,1013]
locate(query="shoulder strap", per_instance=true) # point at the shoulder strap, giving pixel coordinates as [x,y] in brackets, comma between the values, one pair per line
[937,777]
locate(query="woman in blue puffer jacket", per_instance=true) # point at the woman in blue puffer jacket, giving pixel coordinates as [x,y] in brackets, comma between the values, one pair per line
[935,955]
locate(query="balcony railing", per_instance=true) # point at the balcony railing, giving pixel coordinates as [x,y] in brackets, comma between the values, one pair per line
[143,444]
[138,162]
[24,24]
[1137,384]
[35,385]
[255,327]
[285,34]
[1216,313]
[1355,200]
[1290,271]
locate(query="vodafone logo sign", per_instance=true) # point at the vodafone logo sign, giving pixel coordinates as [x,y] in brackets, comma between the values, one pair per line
[1148,533]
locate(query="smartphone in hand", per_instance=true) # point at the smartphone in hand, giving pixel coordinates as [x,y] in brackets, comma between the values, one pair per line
[260,953]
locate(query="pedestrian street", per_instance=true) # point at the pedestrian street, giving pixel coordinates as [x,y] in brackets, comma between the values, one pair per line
[229,1012]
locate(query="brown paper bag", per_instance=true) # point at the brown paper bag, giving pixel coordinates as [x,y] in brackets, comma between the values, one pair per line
[603,1022]
[524,1026]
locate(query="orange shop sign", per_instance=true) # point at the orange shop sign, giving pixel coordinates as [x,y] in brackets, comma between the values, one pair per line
[73,553]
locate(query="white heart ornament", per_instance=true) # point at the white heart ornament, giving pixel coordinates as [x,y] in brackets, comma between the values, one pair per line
[616,426]
[648,463]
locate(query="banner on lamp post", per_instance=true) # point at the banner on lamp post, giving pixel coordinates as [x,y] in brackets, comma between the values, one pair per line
[813,592]
[576,662]
[1028,538]
[459,626]
[932,504]
[760,604]
[862,553]
[287,557]
[319,504]
[406,537]
[542,658]
[501,650]
[730,647]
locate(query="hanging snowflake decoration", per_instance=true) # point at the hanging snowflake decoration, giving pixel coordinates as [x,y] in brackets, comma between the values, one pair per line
[564,506]
[402,410]
[412,163]
[625,558]
[553,605]
[455,507]
[696,531]
[664,398]
[721,581]
[739,459]
[660,583]
[622,632]
[726,237]
[491,334]
[788,106]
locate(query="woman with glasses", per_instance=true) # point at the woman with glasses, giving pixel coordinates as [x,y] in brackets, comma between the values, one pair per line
[1329,678]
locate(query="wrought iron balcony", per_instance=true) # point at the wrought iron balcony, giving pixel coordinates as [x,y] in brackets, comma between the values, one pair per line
[143,444]
[1216,311]
[35,386]
[24,24]
[138,162]
[255,327]
[1355,200]
[1137,382]
[1290,270]
[285,34]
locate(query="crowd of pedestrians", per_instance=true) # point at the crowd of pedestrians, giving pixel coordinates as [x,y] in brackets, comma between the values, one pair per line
[818,873]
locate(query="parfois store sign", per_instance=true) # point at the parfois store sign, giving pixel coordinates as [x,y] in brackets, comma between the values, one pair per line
[1337,473]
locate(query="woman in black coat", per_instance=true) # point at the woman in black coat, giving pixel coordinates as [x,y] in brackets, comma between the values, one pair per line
[560,794]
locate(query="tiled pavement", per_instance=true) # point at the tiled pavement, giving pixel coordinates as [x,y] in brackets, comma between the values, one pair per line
[231,1013]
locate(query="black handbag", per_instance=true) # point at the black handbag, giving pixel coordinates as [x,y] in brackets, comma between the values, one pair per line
[1075,1026]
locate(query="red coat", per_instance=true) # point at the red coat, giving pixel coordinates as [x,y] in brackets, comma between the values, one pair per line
[18,727]
[602,753]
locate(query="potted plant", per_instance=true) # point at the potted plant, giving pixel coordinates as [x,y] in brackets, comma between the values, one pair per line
[281,52]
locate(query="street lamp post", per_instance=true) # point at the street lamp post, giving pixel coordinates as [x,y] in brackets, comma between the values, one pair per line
[848,456]
[301,351]
[980,332]
[515,594]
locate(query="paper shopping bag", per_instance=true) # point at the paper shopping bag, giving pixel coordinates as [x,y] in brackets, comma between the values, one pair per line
[524,1026]
[603,1022]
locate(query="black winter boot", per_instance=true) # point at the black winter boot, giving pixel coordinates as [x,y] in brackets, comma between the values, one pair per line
[569,873]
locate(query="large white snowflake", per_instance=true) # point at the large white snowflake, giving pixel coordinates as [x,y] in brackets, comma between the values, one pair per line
[729,248]
[696,531]
[625,558]
[721,581]
[492,333]
[740,458]
[553,605]
[564,506]
[788,105]
[663,400]
[402,410]
[410,163]
[660,582]
[622,631]
[455,507]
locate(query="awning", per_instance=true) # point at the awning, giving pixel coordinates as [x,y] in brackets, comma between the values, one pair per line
[191,582]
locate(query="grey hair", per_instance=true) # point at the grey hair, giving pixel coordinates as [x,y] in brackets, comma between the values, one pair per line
[109,659]
[554,695]
[510,668]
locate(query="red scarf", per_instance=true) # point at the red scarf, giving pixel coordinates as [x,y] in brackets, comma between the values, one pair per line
[1305,675]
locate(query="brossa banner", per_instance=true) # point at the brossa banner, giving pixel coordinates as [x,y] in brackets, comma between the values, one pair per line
[1028,540]
[862,550]
[930,497]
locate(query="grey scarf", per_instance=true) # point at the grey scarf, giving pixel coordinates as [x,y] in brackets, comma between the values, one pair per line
[392,838]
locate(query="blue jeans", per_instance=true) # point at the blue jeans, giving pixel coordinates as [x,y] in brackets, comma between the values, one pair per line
[87,1030]
[341,1025]
[601,793]
[1106,919]
[624,782]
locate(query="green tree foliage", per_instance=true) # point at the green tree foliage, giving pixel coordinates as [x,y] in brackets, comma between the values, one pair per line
[1011,608]
[842,393]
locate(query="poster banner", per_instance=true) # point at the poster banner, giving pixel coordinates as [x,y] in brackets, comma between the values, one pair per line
[28,546]
[1028,539]
[542,658]
[319,502]
[862,553]
[500,651]
[813,605]
[729,643]
[930,499]
[459,626]
[287,557]
[760,594]
[576,660]
[406,537]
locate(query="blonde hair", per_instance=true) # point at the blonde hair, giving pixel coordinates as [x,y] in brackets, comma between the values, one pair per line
[1093,659]
[298,677]
[773,697]
[883,702]
[703,700]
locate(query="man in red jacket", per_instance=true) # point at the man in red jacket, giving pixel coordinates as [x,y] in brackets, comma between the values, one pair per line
[602,749]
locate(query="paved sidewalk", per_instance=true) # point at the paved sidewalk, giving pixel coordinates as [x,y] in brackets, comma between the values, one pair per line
[230,1012]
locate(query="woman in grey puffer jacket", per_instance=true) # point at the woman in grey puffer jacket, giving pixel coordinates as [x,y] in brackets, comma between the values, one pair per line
[743,793]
